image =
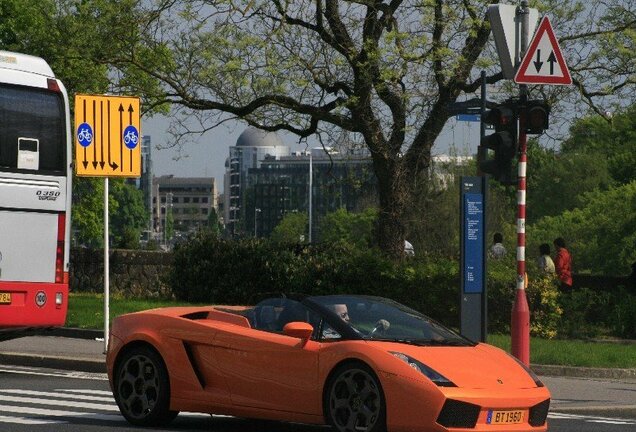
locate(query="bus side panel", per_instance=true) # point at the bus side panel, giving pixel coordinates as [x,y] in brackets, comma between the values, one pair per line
[33,192]
[28,305]
[28,244]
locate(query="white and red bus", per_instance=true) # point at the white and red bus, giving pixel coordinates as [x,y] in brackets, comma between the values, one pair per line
[35,195]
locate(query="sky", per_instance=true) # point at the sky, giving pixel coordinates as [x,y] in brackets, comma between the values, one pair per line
[205,157]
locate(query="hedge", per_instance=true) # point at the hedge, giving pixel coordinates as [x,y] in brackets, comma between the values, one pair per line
[214,270]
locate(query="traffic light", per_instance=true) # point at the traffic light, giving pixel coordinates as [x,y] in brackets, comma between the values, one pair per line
[537,116]
[503,143]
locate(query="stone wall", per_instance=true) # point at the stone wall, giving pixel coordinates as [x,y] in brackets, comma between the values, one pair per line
[133,273]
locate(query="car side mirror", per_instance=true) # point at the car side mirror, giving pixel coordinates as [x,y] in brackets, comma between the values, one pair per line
[298,329]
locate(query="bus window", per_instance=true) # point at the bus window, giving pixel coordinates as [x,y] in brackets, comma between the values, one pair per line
[34,114]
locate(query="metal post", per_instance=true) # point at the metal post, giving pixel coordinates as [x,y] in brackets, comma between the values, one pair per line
[520,322]
[310,192]
[106,269]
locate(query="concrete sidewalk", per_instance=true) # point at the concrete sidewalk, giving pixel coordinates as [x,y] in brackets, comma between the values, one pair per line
[56,352]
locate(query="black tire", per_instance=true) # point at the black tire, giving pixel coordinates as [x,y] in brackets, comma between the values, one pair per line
[142,388]
[354,400]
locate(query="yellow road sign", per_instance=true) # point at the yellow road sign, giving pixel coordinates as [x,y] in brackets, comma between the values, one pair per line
[107,136]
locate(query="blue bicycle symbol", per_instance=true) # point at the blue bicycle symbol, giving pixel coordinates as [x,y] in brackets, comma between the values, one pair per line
[85,134]
[131,137]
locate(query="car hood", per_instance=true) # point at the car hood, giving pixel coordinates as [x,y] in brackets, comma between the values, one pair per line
[479,367]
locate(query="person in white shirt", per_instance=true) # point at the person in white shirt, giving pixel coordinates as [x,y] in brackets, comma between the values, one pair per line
[545,262]
[497,250]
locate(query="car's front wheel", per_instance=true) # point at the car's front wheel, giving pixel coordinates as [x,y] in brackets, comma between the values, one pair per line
[142,388]
[354,400]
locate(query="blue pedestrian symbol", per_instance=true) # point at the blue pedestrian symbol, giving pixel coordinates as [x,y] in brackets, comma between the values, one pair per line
[85,134]
[131,137]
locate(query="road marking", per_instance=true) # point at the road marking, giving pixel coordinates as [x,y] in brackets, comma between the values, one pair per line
[44,406]
[87,391]
[58,394]
[593,419]
[55,373]
[58,413]
[27,421]
[62,403]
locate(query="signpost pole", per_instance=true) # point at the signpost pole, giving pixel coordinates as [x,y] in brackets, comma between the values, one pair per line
[520,322]
[106,268]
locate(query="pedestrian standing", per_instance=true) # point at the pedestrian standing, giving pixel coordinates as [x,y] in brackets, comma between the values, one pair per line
[563,264]
[545,263]
[497,250]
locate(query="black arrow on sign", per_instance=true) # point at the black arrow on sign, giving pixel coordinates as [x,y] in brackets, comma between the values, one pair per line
[94,143]
[112,164]
[551,60]
[131,110]
[538,63]
[121,137]
[85,162]
[101,133]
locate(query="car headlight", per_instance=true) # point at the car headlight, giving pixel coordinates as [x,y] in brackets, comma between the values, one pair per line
[534,376]
[431,374]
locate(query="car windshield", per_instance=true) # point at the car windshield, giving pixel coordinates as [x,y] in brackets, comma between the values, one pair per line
[376,318]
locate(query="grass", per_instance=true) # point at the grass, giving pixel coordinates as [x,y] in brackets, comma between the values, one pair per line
[574,352]
[87,311]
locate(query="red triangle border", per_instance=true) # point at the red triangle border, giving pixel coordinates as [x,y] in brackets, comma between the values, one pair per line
[521,76]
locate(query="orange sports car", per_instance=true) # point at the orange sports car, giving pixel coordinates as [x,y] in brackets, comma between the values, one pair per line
[357,363]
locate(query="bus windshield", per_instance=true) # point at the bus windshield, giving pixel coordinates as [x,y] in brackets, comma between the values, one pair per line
[32,119]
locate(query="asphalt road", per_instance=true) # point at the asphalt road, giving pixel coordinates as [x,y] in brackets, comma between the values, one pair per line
[36,399]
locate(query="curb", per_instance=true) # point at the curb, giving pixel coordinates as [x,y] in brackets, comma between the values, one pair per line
[73,333]
[52,362]
[583,372]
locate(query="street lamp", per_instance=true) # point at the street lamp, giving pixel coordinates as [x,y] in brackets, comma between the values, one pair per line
[311,177]
[167,207]
[256,212]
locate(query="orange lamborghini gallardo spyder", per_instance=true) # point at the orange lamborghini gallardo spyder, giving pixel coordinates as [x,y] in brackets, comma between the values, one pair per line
[357,363]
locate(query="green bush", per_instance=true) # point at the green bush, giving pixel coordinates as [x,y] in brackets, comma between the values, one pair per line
[214,270]
[623,320]
[585,313]
[209,269]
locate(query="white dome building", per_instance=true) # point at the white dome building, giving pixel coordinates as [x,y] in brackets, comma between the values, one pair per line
[252,147]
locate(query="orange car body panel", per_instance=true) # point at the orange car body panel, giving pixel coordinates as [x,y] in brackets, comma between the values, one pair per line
[219,364]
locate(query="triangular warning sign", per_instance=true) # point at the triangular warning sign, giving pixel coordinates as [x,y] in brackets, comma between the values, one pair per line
[543,62]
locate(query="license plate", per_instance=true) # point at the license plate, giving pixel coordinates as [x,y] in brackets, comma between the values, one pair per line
[504,417]
[5,298]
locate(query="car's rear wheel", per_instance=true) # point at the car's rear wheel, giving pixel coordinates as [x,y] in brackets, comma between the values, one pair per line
[354,400]
[142,388]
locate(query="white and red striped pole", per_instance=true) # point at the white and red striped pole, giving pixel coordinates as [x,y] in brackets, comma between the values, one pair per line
[520,323]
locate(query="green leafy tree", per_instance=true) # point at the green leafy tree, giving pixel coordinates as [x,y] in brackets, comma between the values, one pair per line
[88,212]
[612,143]
[559,180]
[292,228]
[357,229]
[129,216]
[600,233]
[214,225]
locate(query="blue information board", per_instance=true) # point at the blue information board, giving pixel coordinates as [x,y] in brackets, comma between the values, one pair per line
[473,242]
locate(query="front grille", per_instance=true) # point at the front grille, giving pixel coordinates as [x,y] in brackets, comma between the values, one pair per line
[539,413]
[458,414]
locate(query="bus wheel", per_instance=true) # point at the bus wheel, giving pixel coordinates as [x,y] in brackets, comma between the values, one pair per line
[142,388]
